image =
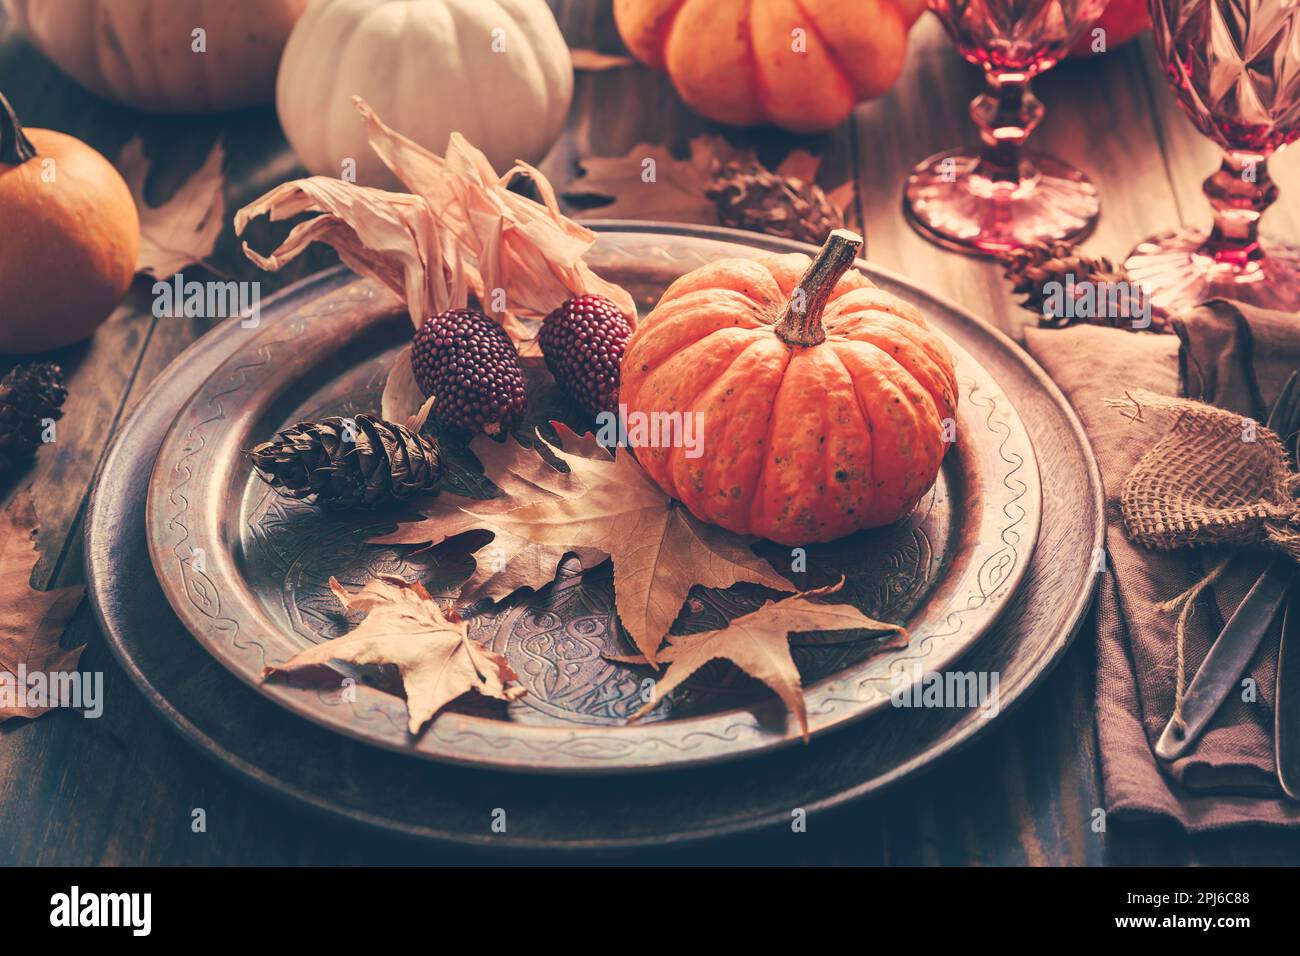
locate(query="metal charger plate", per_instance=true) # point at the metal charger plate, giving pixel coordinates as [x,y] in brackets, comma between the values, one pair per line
[247,570]
[299,760]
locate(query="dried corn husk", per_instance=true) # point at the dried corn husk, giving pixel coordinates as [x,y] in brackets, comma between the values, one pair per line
[460,228]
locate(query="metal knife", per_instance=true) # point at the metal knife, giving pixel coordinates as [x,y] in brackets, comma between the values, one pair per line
[1228,657]
[1286,700]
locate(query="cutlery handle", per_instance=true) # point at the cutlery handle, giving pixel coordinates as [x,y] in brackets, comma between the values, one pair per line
[1286,701]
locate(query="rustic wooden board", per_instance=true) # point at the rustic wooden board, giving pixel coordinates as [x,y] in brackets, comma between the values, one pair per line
[120,789]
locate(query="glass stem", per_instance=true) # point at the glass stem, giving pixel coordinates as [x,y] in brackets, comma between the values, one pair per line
[1239,191]
[1006,114]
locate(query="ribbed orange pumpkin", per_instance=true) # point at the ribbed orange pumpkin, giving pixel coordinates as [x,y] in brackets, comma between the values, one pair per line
[800,64]
[822,397]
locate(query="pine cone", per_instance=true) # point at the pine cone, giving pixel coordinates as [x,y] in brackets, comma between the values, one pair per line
[346,462]
[750,196]
[1030,269]
[29,395]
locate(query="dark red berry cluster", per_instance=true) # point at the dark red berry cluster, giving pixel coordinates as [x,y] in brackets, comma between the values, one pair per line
[468,364]
[583,342]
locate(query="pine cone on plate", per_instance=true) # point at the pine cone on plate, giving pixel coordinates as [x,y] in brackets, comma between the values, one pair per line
[29,395]
[349,462]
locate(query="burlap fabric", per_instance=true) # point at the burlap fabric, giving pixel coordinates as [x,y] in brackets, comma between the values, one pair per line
[1217,477]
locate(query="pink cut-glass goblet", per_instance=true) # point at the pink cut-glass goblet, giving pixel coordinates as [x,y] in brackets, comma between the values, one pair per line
[1234,66]
[1001,197]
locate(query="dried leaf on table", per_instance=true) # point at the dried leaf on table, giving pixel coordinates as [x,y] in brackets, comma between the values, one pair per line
[404,626]
[659,550]
[593,61]
[508,562]
[184,229]
[31,621]
[717,184]
[649,182]
[759,644]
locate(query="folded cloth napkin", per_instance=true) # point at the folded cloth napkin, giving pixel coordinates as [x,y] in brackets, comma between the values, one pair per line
[1238,358]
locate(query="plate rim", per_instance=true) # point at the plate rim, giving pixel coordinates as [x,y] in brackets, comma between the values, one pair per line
[655,747]
[102,530]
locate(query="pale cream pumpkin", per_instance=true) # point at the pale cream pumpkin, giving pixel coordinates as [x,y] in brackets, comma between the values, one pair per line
[142,53]
[496,71]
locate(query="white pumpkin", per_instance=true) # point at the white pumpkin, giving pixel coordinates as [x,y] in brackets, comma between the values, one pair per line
[147,55]
[497,71]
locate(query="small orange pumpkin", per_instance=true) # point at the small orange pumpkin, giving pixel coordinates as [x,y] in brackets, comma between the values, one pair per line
[822,398]
[799,64]
[69,237]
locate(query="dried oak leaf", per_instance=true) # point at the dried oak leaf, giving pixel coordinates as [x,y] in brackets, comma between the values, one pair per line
[759,644]
[31,621]
[659,550]
[184,229]
[406,627]
[521,475]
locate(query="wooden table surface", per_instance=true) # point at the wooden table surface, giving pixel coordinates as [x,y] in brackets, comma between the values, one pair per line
[120,789]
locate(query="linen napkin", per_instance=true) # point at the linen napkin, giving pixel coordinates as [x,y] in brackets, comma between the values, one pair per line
[1238,358]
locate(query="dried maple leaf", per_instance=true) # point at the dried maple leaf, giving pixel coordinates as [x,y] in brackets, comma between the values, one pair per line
[184,229]
[521,475]
[32,621]
[759,644]
[659,550]
[648,182]
[405,626]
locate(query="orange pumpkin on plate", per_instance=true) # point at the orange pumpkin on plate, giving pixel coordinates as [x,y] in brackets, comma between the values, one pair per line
[822,398]
[799,64]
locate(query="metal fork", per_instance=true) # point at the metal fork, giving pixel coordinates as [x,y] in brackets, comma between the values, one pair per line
[1236,644]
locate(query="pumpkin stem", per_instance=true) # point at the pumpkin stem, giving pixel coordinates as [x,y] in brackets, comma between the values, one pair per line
[801,322]
[15,147]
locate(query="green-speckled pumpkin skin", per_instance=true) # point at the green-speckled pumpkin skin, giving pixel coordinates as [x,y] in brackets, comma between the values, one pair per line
[801,443]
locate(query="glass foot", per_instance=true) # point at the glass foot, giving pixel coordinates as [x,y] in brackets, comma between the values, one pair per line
[1178,276]
[950,202]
